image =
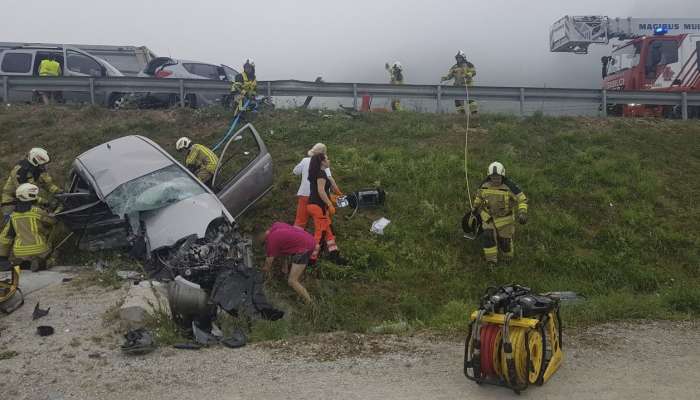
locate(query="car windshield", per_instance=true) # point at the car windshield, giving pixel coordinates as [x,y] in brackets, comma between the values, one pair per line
[153,191]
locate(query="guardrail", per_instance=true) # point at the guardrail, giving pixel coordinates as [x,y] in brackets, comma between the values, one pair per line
[99,88]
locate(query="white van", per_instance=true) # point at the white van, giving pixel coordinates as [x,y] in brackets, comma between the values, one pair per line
[25,60]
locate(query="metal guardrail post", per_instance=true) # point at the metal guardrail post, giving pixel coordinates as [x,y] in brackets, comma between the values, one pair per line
[6,89]
[439,99]
[354,96]
[522,102]
[92,91]
[684,105]
[182,93]
[604,103]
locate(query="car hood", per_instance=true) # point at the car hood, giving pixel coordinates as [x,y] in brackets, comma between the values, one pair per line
[116,162]
[167,225]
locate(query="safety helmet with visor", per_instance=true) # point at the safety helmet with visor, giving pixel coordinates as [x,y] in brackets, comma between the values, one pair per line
[183,143]
[27,192]
[38,156]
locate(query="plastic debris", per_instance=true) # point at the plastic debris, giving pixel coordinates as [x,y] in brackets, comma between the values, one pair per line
[379,225]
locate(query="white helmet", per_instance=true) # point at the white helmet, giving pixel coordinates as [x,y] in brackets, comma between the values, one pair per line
[183,143]
[38,156]
[397,65]
[27,192]
[496,168]
[460,54]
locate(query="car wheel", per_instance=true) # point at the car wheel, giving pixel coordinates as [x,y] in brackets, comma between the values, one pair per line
[191,101]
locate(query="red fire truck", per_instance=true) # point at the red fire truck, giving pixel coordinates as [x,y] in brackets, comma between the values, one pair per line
[654,55]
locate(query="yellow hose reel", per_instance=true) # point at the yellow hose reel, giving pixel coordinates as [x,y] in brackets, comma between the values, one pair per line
[514,340]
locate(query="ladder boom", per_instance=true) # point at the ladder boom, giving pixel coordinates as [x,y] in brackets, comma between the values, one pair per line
[573,34]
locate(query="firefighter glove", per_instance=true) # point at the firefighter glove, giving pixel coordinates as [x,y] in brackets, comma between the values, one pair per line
[522,218]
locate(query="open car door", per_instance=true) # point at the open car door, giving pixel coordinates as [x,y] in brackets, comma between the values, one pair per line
[244,173]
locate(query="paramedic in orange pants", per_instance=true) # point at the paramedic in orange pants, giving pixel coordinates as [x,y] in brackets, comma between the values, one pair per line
[321,208]
[302,216]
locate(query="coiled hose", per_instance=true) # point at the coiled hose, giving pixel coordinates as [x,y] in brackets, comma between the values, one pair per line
[528,354]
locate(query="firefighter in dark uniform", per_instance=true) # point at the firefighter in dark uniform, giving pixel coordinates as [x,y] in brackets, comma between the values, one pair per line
[244,86]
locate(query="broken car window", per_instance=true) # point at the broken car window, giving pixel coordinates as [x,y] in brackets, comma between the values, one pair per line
[238,154]
[153,191]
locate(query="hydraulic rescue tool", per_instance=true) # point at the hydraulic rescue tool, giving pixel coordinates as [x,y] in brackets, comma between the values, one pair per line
[514,338]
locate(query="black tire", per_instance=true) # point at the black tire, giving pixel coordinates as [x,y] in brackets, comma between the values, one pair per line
[191,100]
[113,100]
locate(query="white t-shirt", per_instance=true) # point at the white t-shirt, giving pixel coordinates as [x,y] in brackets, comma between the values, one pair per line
[303,169]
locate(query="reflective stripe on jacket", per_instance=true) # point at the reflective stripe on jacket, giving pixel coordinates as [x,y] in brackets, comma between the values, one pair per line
[201,161]
[498,204]
[463,75]
[243,85]
[24,172]
[31,230]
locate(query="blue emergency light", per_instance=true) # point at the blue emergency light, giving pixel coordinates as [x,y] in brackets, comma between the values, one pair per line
[660,31]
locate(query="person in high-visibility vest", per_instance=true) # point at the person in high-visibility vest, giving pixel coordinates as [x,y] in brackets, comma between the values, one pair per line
[499,202]
[27,233]
[49,67]
[244,86]
[395,78]
[463,73]
[200,160]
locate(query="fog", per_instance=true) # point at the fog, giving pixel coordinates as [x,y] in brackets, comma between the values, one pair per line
[508,41]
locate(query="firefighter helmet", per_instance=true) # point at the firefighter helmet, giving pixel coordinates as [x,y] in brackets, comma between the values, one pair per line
[397,65]
[183,143]
[38,156]
[496,168]
[460,56]
[27,192]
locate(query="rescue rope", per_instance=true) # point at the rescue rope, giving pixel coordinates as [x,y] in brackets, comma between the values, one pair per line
[467,115]
[232,127]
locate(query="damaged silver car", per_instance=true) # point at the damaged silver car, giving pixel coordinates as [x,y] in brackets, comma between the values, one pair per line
[130,193]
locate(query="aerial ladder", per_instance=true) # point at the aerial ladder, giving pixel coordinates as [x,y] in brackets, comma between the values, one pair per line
[659,54]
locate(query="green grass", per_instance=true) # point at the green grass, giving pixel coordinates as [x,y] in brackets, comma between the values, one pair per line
[613,208]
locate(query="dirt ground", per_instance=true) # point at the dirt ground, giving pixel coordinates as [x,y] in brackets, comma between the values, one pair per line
[642,360]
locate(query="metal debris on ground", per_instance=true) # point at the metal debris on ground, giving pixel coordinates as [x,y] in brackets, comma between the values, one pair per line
[38,312]
[138,341]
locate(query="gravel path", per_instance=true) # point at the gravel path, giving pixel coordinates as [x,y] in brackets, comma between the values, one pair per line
[650,360]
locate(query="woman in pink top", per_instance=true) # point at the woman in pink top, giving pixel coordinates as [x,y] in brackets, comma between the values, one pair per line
[286,240]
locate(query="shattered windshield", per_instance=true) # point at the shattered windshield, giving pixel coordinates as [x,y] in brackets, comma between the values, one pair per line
[153,191]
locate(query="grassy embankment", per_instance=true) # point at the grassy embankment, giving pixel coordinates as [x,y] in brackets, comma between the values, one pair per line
[613,205]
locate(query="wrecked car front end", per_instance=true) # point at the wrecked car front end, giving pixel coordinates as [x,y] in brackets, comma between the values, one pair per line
[130,193]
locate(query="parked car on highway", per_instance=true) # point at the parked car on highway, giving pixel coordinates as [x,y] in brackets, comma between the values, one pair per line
[129,60]
[130,193]
[24,61]
[170,68]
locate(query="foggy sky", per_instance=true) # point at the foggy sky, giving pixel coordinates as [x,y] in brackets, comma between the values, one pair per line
[346,41]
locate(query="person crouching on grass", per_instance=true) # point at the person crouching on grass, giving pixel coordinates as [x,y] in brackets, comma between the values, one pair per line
[286,240]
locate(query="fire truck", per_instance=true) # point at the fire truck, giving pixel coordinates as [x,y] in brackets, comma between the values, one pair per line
[653,54]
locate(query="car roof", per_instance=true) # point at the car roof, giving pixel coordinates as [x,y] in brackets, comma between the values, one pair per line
[121,160]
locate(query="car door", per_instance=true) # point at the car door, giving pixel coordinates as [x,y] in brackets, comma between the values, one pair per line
[17,63]
[229,72]
[244,172]
[79,63]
